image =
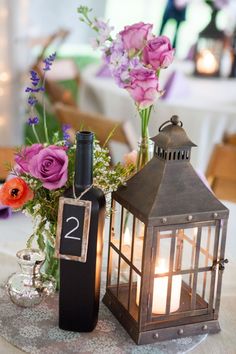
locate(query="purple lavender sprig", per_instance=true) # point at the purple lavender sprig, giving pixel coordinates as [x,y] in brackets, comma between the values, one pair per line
[49,61]
[38,86]
[66,135]
[32,100]
[33,121]
[35,79]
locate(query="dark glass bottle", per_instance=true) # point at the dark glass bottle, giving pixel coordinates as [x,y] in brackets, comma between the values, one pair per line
[80,282]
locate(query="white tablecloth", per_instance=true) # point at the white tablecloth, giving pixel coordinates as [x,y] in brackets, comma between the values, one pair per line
[207,107]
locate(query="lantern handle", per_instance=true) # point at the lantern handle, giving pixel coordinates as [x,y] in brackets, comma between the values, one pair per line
[174,120]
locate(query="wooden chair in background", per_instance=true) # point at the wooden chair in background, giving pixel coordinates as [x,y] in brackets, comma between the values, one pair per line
[6,157]
[56,39]
[221,171]
[62,69]
[100,125]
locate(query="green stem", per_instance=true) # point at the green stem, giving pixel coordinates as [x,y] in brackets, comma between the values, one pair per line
[35,134]
[29,141]
[44,113]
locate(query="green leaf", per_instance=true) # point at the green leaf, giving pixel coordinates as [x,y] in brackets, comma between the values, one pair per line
[41,242]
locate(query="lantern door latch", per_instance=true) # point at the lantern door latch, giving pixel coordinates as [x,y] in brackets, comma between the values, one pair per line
[221,263]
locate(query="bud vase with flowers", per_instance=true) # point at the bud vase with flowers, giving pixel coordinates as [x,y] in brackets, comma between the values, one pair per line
[135,57]
[44,170]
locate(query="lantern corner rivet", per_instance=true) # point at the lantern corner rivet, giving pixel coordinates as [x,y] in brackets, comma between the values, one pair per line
[180,331]
[164,220]
[189,217]
[215,215]
[204,328]
[155,335]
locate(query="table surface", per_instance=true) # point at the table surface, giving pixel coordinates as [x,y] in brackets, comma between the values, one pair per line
[215,94]
[13,234]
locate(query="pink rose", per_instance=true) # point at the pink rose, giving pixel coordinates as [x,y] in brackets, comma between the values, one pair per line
[23,157]
[158,52]
[143,87]
[50,166]
[135,36]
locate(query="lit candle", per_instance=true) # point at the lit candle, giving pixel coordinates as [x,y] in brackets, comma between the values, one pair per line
[160,289]
[127,237]
[207,63]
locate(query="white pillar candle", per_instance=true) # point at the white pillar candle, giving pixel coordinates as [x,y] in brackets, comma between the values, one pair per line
[160,289]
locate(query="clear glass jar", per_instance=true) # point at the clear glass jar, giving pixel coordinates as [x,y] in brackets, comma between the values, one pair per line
[29,287]
[145,152]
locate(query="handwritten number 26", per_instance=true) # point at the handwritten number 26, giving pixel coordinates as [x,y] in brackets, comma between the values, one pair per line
[74,229]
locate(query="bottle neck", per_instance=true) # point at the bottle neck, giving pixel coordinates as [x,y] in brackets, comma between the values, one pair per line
[84,161]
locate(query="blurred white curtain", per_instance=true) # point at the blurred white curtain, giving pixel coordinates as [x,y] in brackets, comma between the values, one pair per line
[13,54]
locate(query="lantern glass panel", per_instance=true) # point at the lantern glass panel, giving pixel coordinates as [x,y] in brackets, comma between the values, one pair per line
[139,231]
[113,270]
[127,231]
[186,242]
[116,224]
[123,288]
[207,246]
[182,271]
[135,294]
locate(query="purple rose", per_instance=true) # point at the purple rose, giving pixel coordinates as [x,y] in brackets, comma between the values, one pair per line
[158,53]
[23,158]
[50,166]
[143,87]
[135,36]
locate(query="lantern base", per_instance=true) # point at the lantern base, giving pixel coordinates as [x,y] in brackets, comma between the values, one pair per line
[160,334]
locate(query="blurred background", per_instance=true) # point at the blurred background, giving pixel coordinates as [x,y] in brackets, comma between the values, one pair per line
[200,86]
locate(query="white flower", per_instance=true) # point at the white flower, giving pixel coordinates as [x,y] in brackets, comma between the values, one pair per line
[47,226]
[37,207]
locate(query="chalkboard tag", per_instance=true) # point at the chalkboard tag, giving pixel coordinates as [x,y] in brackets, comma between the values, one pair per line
[73,229]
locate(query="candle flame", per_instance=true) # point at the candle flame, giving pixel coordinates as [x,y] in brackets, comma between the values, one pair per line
[127,237]
[207,63]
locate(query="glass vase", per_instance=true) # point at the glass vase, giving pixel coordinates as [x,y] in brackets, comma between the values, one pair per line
[51,265]
[28,287]
[145,152]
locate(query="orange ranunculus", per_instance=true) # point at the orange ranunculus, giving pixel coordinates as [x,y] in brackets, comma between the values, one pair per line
[15,193]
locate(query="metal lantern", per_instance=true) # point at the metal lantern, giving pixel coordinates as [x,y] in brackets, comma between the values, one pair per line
[209,49]
[166,246]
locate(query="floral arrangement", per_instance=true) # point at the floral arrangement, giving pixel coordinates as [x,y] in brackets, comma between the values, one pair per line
[43,171]
[135,58]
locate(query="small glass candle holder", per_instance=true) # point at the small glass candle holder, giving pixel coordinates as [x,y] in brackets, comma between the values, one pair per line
[28,287]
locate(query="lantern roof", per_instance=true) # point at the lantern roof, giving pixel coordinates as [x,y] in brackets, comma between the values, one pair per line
[167,191]
[172,136]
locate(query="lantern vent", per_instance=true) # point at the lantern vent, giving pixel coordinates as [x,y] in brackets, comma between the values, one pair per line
[172,143]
